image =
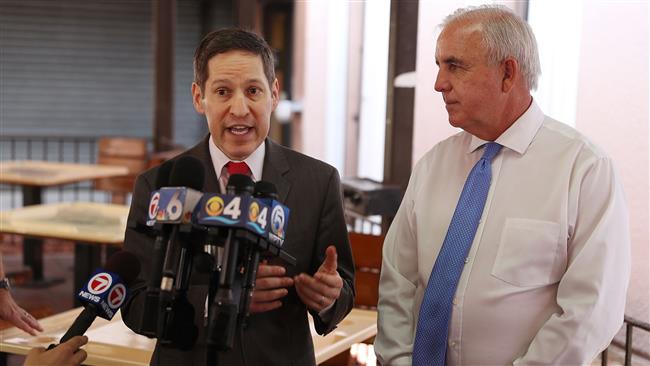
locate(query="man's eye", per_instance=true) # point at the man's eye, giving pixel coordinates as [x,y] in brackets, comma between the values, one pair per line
[222,92]
[452,67]
[254,90]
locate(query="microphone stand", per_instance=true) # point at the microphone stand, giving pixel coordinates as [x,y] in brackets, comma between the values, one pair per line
[176,320]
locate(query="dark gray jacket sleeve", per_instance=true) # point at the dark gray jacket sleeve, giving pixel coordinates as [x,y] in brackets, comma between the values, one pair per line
[333,231]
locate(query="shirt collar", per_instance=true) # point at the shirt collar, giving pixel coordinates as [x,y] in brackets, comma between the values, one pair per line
[255,161]
[518,136]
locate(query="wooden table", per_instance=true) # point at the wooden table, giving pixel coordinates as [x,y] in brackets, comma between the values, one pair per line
[87,223]
[32,176]
[112,343]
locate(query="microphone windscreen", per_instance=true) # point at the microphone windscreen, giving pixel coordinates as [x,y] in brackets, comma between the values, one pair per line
[162,178]
[187,172]
[240,183]
[265,189]
[125,264]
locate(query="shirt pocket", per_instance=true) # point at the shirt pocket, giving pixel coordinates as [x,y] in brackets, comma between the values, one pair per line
[530,253]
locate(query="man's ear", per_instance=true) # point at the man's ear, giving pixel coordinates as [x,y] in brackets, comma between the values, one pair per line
[275,93]
[511,73]
[197,98]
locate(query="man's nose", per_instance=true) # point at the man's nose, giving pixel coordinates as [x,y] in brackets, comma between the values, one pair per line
[441,83]
[239,105]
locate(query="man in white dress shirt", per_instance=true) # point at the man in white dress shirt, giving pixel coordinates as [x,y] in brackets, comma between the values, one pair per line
[545,278]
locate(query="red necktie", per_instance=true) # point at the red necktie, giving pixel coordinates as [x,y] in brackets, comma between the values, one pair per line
[237,168]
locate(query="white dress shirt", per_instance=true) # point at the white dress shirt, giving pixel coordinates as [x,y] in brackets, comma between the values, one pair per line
[255,162]
[546,276]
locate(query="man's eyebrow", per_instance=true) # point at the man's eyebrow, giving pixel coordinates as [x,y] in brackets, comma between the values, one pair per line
[219,81]
[452,60]
[228,81]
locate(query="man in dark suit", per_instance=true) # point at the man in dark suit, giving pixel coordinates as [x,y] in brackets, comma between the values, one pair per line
[236,89]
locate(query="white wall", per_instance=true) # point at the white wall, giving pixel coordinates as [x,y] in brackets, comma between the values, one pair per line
[431,123]
[612,109]
[372,119]
[324,80]
[558,30]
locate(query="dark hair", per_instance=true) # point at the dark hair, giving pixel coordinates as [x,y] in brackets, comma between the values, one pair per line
[231,39]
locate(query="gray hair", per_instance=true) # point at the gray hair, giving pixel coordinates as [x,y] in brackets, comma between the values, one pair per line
[504,35]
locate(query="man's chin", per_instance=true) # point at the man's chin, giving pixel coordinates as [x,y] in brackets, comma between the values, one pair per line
[454,122]
[238,152]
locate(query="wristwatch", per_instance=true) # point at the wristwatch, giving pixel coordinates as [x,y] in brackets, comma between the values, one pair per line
[4,284]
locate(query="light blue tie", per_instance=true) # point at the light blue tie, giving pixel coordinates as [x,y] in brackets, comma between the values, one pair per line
[430,345]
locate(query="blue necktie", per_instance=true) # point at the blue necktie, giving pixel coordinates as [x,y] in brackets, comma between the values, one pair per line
[430,345]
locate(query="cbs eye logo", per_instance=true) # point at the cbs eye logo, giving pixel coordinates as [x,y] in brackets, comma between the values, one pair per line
[253,211]
[277,221]
[214,206]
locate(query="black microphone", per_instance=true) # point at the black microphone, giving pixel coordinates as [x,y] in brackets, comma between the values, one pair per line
[271,243]
[104,293]
[224,309]
[176,315]
[150,314]
[262,190]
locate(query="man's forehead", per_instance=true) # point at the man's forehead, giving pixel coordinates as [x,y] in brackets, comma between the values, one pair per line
[454,39]
[236,56]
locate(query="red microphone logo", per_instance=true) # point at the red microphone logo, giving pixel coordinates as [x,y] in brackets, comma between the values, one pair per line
[116,296]
[153,205]
[99,283]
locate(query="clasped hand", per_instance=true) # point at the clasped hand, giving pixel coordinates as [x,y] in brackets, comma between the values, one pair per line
[318,292]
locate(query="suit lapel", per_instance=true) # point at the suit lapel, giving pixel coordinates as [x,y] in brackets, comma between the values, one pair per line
[201,151]
[275,167]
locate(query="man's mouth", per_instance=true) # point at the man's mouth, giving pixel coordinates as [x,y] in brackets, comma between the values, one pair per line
[448,101]
[239,130]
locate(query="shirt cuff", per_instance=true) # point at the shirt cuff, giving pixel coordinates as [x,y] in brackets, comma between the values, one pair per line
[326,314]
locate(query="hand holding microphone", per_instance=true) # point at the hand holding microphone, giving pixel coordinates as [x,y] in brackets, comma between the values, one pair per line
[104,293]
[66,354]
[268,284]
[271,285]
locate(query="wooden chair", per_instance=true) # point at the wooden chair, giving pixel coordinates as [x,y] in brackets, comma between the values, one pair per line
[161,157]
[366,250]
[124,151]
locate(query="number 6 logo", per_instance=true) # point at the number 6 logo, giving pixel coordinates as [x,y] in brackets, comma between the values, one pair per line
[174,207]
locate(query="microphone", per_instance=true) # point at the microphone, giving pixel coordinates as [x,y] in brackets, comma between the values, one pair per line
[245,214]
[105,292]
[150,315]
[263,191]
[176,205]
[275,234]
[226,211]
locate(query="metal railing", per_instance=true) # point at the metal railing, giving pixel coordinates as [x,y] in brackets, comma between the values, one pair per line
[78,149]
[356,223]
[629,323]
[75,149]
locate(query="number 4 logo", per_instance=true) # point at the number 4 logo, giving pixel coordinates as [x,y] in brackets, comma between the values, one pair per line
[232,208]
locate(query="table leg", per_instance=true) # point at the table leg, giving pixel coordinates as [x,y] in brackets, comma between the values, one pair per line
[32,247]
[87,258]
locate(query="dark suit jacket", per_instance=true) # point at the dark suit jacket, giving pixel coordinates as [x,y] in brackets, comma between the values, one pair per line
[310,188]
